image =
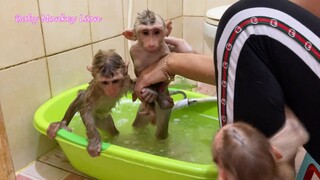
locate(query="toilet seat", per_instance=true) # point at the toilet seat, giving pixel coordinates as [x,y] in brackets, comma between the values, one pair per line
[210,25]
[214,15]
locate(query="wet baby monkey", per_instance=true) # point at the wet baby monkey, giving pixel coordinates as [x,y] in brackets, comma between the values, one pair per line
[149,32]
[110,82]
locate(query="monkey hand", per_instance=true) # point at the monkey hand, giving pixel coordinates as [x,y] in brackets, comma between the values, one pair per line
[64,126]
[149,95]
[54,127]
[178,45]
[94,147]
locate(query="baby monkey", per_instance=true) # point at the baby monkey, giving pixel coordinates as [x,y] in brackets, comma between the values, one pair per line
[110,82]
[149,31]
[242,152]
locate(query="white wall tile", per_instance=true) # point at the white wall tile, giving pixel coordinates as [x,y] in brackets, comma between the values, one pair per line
[68,69]
[20,41]
[61,36]
[177,27]
[112,22]
[135,7]
[24,89]
[193,32]
[193,7]
[175,8]
[159,7]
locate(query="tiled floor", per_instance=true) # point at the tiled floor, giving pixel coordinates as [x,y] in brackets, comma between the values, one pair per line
[51,166]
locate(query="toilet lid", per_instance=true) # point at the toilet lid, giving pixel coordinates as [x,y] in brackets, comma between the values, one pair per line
[214,15]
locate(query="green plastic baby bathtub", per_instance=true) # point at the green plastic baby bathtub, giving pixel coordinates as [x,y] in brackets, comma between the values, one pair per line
[135,153]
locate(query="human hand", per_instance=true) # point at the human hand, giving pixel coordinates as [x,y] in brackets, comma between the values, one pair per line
[178,45]
[151,75]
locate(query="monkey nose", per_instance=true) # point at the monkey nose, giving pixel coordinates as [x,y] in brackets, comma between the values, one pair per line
[112,93]
[152,47]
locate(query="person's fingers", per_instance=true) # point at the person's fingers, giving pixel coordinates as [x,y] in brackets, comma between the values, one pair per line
[171,40]
[178,45]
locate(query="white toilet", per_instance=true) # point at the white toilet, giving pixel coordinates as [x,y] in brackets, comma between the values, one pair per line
[212,19]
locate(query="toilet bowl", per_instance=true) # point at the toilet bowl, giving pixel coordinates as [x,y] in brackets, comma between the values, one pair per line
[212,19]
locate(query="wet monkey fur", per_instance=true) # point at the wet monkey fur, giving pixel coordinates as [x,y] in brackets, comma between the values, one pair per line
[110,82]
[149,32]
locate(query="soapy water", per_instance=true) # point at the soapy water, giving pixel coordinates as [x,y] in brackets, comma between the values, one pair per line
[190,134]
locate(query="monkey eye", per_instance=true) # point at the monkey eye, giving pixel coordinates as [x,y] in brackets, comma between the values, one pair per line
[104,82]
[157,32]
[146,33]
[115,81]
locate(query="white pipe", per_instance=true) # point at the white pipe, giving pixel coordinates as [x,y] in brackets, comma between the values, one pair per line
[189,102]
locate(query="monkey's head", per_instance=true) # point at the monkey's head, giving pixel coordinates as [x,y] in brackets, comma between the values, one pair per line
[109,72]
[242,152]
[149,29]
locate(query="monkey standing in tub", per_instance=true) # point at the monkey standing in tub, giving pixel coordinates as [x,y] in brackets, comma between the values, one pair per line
[149,32]
[110,82]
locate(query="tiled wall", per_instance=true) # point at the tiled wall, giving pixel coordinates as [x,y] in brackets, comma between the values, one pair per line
[40,60]
[194,12]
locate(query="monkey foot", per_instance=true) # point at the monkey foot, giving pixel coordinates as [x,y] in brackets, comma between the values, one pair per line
[165,104]
[162,136]
[144,118]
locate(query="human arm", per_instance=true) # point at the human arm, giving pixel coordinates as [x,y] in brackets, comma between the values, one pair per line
[198,67]
[310,5]
[192,66]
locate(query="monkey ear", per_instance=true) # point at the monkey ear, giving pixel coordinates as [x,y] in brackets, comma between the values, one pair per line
[126,68]
[168,27]
[222,174]
[89,68]
[129,34]
[277,154]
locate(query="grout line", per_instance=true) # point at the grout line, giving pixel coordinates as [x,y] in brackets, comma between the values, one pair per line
[66,170]
[41,27]
[18,64]
[90,27]
[25,62]
[45,50]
